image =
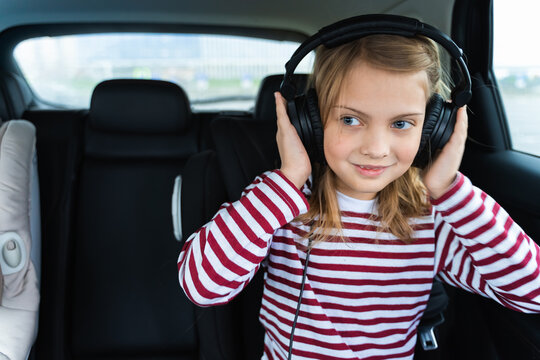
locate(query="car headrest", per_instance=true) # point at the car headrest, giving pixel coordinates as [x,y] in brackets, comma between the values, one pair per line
[15,96]
[139,106]
[265,107]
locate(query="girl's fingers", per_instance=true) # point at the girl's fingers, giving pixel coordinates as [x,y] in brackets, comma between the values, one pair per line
[281,110]
[460,130]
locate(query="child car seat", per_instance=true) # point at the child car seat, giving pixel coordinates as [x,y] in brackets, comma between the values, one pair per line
[19,239]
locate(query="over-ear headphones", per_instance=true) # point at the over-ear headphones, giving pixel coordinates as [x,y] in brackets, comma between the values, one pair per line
[440,115]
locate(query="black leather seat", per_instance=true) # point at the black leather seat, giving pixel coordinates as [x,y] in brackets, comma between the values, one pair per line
[124,300]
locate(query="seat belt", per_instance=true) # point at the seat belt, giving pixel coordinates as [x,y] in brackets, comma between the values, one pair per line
[433,316]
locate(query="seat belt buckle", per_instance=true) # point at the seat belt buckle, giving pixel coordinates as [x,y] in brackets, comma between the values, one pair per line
[427,333]
[428,339]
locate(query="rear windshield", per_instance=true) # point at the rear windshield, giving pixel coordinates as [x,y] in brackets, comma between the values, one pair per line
[217,72]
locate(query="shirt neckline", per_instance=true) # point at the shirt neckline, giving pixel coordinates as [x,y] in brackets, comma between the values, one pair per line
[348,203]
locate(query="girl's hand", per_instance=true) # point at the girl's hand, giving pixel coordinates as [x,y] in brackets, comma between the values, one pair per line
[295,164]
[441,174]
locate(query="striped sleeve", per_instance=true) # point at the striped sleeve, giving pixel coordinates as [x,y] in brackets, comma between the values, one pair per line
[220,259]
[482,250]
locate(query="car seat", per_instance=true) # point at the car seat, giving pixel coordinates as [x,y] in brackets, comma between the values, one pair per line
[122,298]
[19,239]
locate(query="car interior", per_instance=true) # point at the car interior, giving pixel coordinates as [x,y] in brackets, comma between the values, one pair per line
[97,199]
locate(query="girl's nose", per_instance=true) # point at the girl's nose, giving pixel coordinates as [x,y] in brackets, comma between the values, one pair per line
[375,145]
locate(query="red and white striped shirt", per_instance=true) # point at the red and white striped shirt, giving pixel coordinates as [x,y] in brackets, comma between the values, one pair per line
[363,299]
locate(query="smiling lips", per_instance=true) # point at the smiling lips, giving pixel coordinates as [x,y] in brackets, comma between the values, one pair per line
[371,171]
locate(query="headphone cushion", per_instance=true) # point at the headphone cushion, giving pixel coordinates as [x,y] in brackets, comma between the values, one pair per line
[317,141]
[434,108]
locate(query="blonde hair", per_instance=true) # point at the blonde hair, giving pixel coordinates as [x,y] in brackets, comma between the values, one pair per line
[405,197]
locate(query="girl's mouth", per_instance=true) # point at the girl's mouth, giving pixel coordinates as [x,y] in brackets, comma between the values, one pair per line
[371,171]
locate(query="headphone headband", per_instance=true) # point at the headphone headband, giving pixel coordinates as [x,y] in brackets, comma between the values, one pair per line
[357,27]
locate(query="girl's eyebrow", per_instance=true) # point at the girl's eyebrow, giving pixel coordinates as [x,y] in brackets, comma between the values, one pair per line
[353,110]
[364,115]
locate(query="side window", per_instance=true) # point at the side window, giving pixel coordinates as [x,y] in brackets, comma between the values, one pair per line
[516,61]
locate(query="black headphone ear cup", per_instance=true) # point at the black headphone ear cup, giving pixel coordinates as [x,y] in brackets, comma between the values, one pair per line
[445,126]
[432,116]
[294,113]
[439,123]
[301,111]
[317,131]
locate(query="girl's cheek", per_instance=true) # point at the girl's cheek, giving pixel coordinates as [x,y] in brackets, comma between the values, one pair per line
[332,139]
[410,149]
[340,144]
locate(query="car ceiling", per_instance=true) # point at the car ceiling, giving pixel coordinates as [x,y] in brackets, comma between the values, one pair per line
[301,16]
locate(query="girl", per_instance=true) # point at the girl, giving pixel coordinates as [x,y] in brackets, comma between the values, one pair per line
[377,230]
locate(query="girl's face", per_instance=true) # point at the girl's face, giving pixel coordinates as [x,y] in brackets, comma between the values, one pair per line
[373,133]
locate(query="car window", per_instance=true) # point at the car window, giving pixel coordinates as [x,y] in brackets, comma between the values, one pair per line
[217,72]
[516,61]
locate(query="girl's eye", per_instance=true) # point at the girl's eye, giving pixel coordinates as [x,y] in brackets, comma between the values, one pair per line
[350,121]
[401,124]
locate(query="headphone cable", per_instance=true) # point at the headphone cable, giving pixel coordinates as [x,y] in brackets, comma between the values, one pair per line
[299,300]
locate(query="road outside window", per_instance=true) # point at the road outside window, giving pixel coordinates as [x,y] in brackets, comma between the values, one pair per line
[516,62]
